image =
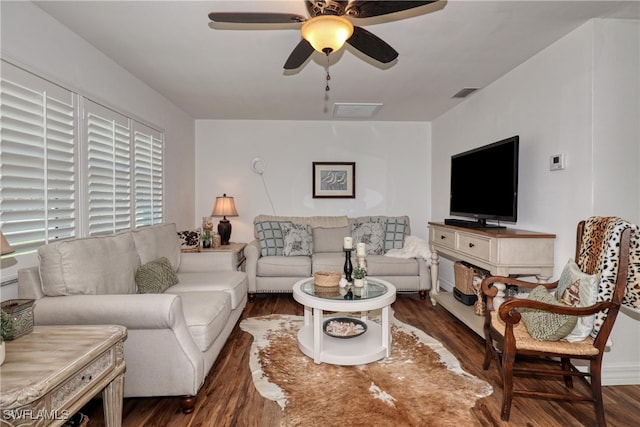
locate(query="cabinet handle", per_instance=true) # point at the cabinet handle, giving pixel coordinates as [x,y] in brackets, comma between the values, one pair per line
[442,237]
[471,245]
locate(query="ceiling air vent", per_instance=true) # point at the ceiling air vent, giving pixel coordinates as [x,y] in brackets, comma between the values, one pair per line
[355,110]
[463,93]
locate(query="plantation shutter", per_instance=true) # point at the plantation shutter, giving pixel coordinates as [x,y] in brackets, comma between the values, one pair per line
[108,170]
[37,158]
[148,175]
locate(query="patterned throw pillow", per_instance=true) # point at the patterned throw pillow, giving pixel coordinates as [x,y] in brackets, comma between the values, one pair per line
[394,234]
[578,289]
[371,234]
[155,277]
[543,325]
[271,237]
[298,239]
[189,239]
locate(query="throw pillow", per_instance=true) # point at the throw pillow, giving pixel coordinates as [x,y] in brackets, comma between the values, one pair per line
[189,239]
[578,289]
[394,233]
[156,276]
[543,325]
[371,234]
[298,239]
[271,237]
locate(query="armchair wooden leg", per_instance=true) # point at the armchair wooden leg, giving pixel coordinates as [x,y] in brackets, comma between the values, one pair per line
[507,386]
[187,403]
[596,390]
[566,366]
[488,354]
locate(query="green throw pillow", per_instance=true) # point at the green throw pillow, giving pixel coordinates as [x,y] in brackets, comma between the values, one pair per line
[543,325]
[155,277]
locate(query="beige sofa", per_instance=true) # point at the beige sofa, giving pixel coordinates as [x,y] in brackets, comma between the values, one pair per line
[174,337]
[271,272]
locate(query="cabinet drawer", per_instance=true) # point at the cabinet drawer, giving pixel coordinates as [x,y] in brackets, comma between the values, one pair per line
[474,246]
[444,238]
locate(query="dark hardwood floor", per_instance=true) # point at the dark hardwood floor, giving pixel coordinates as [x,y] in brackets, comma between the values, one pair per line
[228,397]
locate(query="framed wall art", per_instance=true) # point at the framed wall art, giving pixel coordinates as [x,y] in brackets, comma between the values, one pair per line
[334,180]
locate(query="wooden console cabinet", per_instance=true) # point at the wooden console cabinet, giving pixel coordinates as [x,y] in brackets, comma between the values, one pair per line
[501,251]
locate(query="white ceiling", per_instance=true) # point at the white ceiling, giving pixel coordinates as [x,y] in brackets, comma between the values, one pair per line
[237,74]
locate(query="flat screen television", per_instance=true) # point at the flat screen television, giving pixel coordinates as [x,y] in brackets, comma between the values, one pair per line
[484,184]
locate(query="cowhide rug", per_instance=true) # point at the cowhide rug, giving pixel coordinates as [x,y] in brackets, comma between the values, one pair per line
[420,384]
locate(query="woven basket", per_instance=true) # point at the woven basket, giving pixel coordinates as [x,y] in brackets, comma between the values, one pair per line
[326,279]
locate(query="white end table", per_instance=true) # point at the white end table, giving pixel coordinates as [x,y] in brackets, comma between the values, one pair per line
[373,345]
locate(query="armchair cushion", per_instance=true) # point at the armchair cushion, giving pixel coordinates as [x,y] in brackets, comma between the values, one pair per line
[544,325]
[155,277]
[578,289]
[298,239]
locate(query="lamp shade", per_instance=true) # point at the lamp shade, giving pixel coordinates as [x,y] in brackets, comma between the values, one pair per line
[327,33]
[5,247]
[224,206]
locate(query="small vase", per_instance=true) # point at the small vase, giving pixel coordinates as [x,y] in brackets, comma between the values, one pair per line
[2,352]
[206,244]
[358,283]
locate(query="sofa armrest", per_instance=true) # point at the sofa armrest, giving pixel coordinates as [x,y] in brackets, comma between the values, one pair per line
[252,254]
[425,275]
[135,311]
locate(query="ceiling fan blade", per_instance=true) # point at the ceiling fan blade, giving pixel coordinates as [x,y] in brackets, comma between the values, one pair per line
[256,18]
[372,45]
[299,55]
[368,9]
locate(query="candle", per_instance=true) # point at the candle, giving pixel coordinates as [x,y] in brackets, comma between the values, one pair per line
[361,249]
[348,243]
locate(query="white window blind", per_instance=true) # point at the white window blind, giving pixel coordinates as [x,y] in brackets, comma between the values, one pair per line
[61,180]
[37,157]
[148,175]
[108,170]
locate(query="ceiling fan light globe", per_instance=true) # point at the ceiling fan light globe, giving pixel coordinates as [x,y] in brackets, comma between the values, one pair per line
[327,32]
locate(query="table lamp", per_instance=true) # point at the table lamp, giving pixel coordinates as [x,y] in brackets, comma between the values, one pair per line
[5,247]
[224,207]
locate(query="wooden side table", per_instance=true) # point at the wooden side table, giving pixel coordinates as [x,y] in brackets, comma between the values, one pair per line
[231,254]
[51,373]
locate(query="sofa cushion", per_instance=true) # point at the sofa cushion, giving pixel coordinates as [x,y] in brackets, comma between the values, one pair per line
[284,266]
[270,236]
[329,239]
[155,277]
[158,241]
[395,230]
[89,266]
[235,283]
[380,265]
[189,240]
[371,234]
[328,261]
[206,314]
[298,239]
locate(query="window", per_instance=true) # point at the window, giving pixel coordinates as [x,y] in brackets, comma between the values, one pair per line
[58,182]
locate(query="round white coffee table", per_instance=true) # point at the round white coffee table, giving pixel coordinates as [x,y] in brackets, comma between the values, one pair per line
[372,345]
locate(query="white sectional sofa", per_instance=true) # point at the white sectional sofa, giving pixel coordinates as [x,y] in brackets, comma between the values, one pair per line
[174,337]
[270,269]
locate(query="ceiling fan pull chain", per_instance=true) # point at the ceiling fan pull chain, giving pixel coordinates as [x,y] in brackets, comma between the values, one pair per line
[327,88]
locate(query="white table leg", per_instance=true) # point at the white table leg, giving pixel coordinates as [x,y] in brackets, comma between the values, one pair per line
[435,285]
[307,315]
[386,330]
[317,334]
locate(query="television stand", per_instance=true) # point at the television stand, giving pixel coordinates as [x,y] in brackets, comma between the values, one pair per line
[501,251]
[481,223]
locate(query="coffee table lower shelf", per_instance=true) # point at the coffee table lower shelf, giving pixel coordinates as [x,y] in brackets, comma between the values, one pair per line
[365,348]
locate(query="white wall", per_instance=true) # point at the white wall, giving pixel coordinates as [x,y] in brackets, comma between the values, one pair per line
[579,97]
[392,173]
[33,39]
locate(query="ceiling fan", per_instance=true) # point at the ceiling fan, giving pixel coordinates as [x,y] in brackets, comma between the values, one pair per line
[328,27]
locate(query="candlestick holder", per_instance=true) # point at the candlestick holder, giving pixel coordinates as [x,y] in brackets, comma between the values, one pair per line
[348,267]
